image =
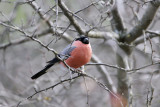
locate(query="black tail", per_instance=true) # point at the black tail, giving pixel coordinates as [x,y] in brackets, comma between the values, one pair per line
[43,71]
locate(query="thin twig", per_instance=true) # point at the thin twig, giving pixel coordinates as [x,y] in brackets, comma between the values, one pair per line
[150,91]
[152,34]
[144,35]
[123,69]
[87,91]
[92,3]
[151,49]
[80,73]
[29,36]
[22,40]
[144,22]
[51,87]
[70,17]
[105,74]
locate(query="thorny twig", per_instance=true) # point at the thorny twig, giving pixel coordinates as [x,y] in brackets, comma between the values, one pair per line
[51,87]
[80,73]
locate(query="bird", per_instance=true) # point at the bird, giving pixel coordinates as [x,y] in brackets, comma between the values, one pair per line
[75,55]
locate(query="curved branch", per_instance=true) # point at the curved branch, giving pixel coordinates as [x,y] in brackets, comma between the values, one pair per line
[70,17]
[144,22]
[116,21]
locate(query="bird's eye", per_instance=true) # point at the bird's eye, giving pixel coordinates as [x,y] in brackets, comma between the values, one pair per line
[85,41]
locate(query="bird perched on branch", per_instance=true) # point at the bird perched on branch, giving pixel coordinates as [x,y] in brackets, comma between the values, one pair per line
[76,54]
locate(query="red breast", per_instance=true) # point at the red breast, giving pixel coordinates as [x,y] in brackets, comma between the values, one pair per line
[80,55]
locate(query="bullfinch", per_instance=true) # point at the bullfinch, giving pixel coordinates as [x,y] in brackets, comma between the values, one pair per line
[76,54]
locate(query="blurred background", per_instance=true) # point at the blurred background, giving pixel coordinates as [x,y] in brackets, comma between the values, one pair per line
[21,57]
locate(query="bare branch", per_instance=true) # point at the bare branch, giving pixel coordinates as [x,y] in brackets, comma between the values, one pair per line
[105,74]
[86,91]
[116,21]
[150,91]
[43,16]
[151,49]
[70,17]
[40,12]
[103,35]
[94,58]
[123,69]
[151,35]
[86,7]
[51,87]
[153,32]
[110,83]
[29,36]
[144,22]
[36,92]
[22,40]
[80,73]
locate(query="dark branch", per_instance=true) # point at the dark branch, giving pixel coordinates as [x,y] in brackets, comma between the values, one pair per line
[144,22]
[116,21]
[70,17]
[44,17]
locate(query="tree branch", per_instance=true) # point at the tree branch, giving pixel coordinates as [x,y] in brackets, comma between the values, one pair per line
[51,87]
[94,58]
[22,40]
[103,35]
[105,74]
[144,22]
[68,38]
[152,34]
[116,21]
[43,16]
[70,17]
[100,84]
[124,69]
[29,36]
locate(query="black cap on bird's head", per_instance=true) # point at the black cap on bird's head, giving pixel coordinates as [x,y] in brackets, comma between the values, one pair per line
[83,39]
